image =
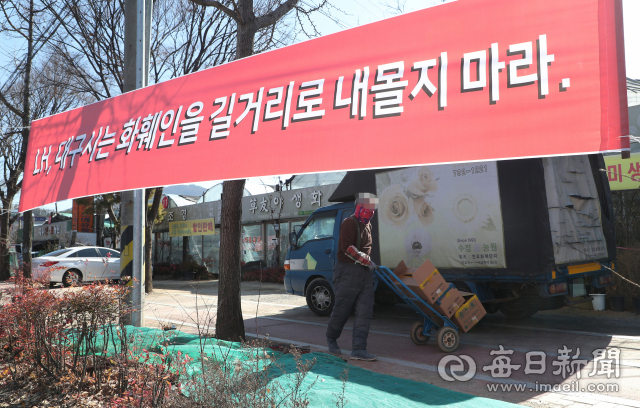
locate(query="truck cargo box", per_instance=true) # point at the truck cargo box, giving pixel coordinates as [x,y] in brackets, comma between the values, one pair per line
[519,218]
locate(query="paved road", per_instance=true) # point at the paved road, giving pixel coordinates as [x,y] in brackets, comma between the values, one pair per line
[268,310]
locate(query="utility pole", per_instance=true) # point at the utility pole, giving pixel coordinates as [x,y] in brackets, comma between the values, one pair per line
[138,27]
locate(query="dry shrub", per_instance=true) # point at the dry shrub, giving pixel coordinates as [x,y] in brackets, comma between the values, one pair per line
[74,343]
[257,382]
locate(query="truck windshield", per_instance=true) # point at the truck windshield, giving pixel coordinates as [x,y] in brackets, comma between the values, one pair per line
[319,227]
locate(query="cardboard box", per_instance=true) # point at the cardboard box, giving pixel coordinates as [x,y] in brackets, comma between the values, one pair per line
[425,281]
[469,314]
[402,269]
[450,302]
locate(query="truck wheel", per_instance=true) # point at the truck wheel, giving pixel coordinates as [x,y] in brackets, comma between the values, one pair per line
[416,334]
[491,308]
[515,310]
[320,297]
[448,339]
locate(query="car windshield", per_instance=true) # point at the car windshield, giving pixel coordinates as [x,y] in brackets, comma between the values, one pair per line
[58,252]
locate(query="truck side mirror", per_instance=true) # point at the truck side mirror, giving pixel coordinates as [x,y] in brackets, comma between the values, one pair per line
[293,239]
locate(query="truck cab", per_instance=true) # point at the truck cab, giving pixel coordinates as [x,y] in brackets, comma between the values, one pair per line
[312,256]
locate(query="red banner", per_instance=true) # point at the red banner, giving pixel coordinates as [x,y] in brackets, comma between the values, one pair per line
[464,81]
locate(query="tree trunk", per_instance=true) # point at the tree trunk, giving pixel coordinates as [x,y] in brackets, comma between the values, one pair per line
[185,248]
[5,241]
[115,231]
[99,230]
[152,213]
[5,264]
[27,229]
[27,243]
[229,322]
[148,272]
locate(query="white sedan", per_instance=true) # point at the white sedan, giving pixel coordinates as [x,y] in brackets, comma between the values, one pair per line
[70,266]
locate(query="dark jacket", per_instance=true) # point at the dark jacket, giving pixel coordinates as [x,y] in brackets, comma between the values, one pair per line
[349,236]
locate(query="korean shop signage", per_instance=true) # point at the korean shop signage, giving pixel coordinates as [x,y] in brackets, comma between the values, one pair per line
[192,227]
[623,174]
[282,205]
[82,215]
[47,232]
[463,81]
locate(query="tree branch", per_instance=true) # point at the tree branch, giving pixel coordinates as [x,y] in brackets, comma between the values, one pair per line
[273,17]
[10,106]
[212,3]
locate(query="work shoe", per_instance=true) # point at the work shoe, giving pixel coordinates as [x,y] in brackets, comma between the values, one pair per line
[333,347]
[363,355]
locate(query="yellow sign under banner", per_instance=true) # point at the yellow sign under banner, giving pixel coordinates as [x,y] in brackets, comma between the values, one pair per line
[195,227]
[623,174]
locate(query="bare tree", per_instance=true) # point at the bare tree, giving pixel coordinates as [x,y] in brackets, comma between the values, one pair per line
[252,19]
[26,93]
[184,39]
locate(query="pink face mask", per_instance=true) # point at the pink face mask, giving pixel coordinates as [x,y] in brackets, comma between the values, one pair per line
[362,214]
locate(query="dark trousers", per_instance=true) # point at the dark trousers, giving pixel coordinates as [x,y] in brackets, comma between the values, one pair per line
[353,287]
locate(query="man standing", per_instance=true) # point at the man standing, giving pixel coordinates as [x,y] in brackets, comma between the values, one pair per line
[353,279]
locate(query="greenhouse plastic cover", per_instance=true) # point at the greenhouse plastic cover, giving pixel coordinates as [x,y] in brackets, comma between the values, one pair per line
[364,388]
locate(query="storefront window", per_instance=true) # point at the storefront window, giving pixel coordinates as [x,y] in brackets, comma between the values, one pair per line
[195,248]
[211,253]
[271,242]
[176,250]
[165,246]
[284,241]
[252,243]
[285,230]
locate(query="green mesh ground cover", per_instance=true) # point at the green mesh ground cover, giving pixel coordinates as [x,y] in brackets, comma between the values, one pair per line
[364,388]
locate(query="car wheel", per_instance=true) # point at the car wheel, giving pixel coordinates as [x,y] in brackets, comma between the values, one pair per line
[320,297]
[71,277]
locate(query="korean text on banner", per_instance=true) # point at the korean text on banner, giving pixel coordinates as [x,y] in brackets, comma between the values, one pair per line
[464,81]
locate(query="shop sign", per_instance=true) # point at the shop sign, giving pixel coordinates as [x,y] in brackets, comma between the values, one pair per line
[50,231]
[623,174]
[82,215]
[286,204]
[192,227]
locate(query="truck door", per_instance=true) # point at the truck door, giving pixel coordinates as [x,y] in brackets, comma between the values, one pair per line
[314,253]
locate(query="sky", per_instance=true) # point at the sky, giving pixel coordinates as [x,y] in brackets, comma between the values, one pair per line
[360,12]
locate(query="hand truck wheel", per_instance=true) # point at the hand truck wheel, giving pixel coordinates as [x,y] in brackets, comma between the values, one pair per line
[416,334]
[448,339]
